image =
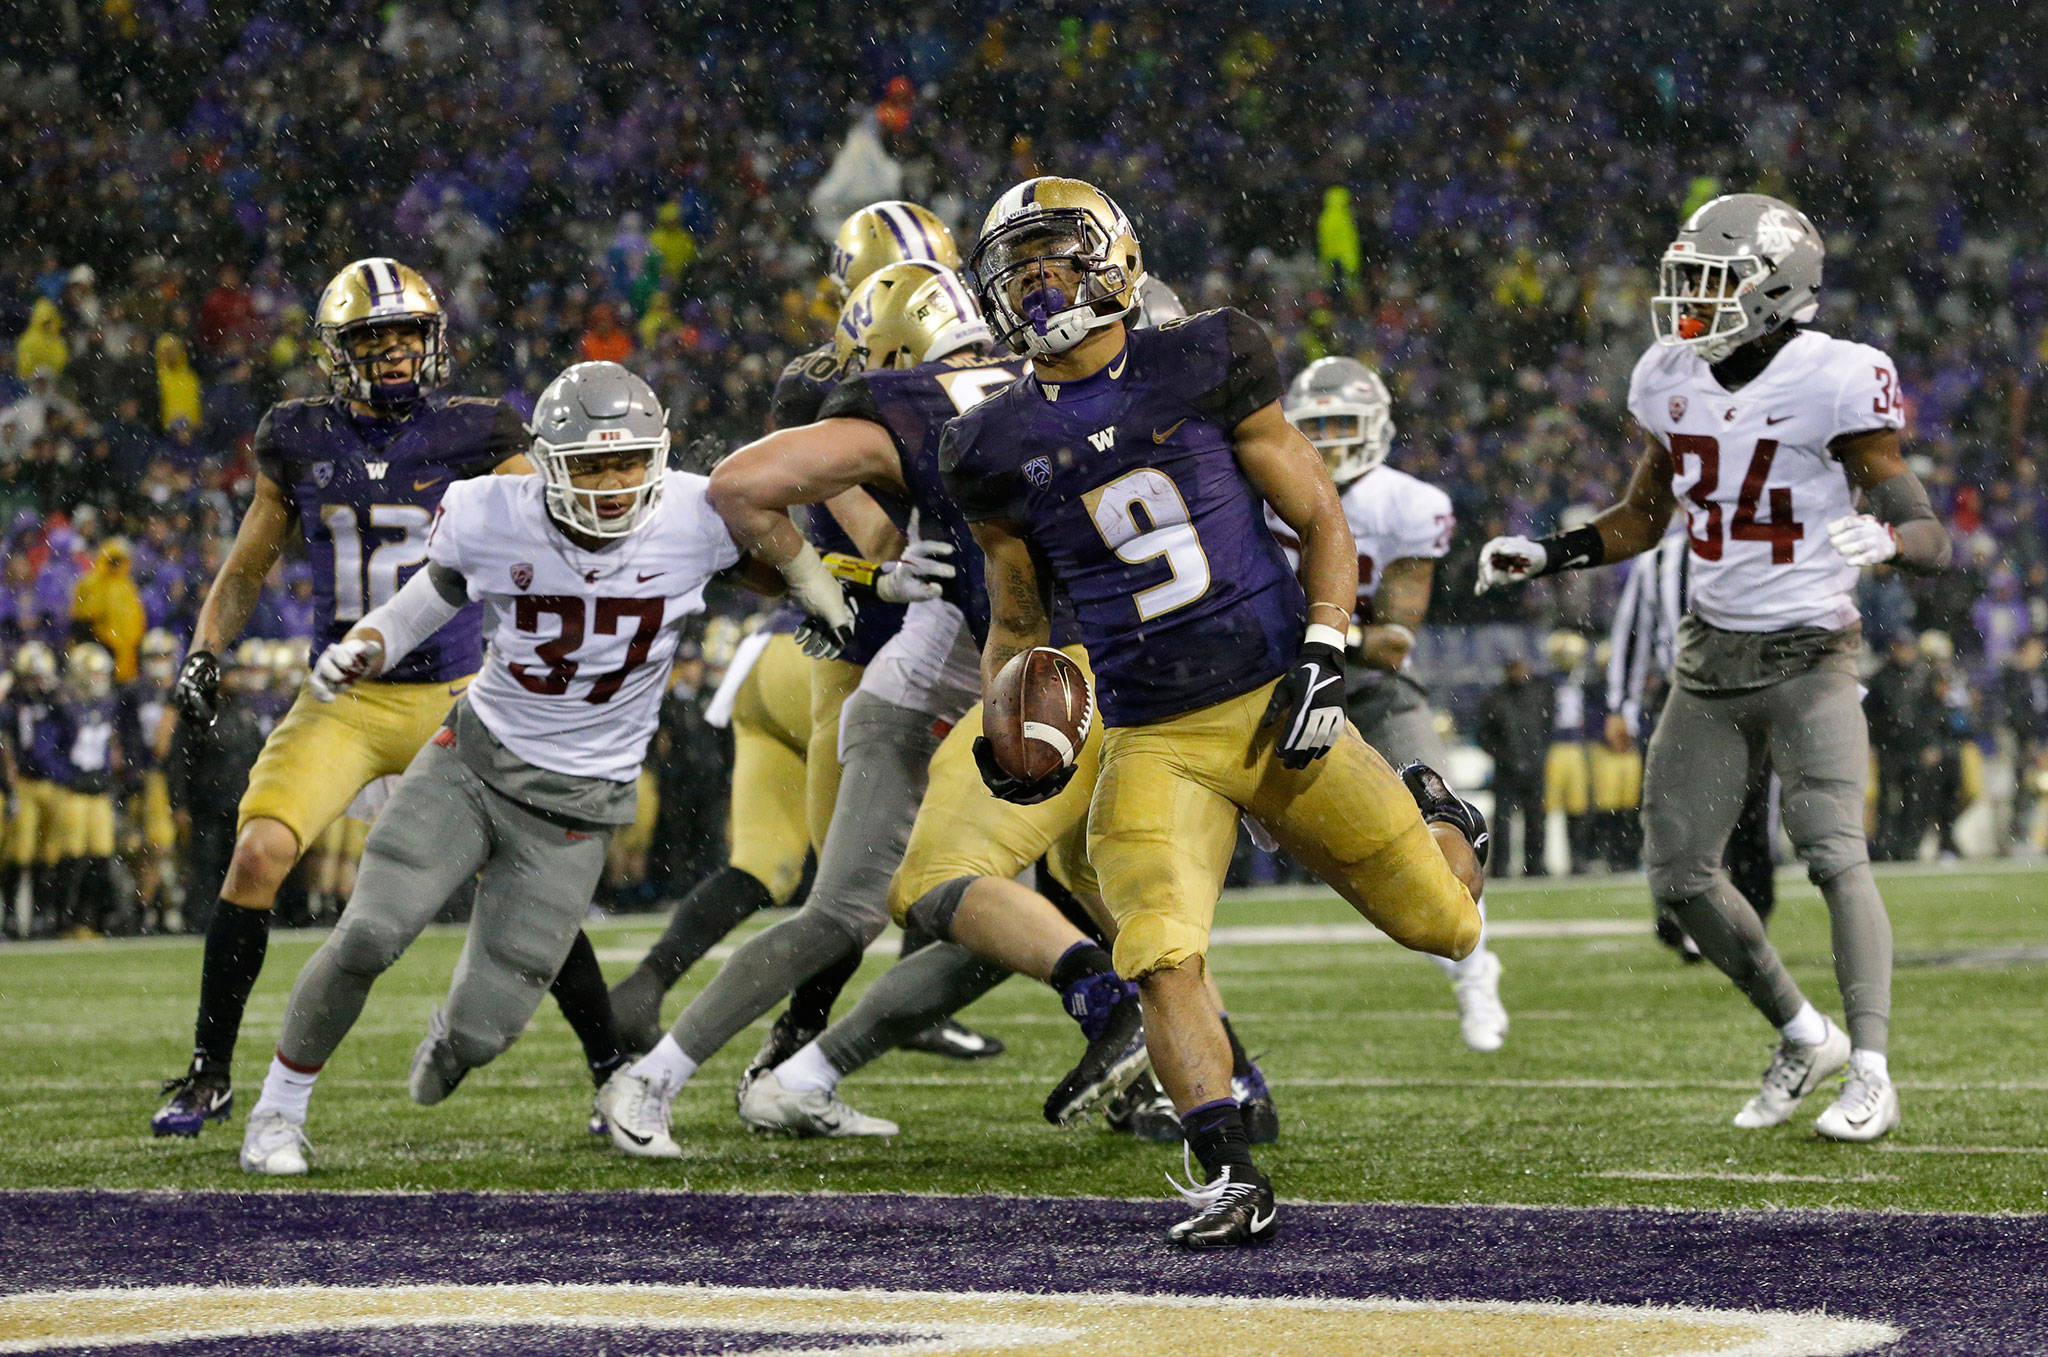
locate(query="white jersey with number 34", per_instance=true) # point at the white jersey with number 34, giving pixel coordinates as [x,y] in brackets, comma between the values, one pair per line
[581,642]
[1754,475]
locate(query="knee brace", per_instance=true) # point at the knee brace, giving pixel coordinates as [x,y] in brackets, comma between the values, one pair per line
[934,910]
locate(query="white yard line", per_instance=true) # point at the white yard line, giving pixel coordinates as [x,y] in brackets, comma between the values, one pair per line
[1655,1176]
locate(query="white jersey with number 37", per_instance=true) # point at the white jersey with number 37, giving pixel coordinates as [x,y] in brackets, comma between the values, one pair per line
[581,642]
[1753,473]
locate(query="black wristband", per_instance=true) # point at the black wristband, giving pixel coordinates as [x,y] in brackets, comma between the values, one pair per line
[1574,550]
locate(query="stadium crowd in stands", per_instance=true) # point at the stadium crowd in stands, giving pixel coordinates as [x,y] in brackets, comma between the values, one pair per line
[1475,209]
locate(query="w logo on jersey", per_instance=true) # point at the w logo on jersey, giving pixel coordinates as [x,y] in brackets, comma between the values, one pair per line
[376,469]
[1103,439]
[1039,471]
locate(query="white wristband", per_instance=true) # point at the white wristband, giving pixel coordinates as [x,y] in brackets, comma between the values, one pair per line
[1405,633]
[1321,634]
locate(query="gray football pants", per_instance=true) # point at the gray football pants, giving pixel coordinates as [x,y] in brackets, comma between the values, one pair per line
[1699,766]
[1410,736]
[887,755]
[442,825]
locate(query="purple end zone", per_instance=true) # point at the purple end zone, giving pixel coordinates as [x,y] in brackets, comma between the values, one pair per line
[1976,1284]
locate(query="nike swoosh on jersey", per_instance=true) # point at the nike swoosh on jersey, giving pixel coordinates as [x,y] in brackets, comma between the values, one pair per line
[651,574]
[1161,435]
[1116,369]
[428,483]
[1776,419]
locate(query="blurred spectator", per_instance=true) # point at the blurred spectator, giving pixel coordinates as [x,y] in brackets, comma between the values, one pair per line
[41,351]
[107,606]
[2023,704]
[1902,738]
[1515,723]
[605,341]
[177,385]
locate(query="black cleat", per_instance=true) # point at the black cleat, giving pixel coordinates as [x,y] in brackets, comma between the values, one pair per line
[955,1041]
[636,1011]
[1440,805]
[785,1039]
[199,1095]
[1234,1212]
[1143,1110]
[1112,1062]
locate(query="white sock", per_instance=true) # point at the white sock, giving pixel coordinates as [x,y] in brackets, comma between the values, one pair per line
[286,1090]
[1807,1027]
[666,1064]
[806,1070]
[1870,1063]
[1458,970]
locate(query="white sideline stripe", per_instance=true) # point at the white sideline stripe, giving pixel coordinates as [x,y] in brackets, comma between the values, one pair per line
[1890,1148]
[1655,1176]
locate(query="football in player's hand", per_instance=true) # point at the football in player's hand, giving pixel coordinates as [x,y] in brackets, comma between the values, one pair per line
[1038,713]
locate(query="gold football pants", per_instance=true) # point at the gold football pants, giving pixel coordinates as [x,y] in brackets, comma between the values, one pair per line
[1164,822]
[322,753]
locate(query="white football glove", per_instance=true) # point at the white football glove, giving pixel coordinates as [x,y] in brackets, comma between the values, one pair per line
[1509,560]
[342,664]
[1863,540]
[915,576]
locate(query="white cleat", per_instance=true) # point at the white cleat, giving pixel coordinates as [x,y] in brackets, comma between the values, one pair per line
[769,1107]
[1867,1108]
[275,1144]
[1795,1071]
[637,1109]
[1482,1020]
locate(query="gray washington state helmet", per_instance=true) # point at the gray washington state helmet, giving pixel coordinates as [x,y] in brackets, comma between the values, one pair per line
[1742,266]
[591,411]
[1344,409]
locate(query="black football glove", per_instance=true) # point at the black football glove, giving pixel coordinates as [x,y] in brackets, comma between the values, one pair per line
[197,691]
[1022,791]
[821,640]
[1308,704]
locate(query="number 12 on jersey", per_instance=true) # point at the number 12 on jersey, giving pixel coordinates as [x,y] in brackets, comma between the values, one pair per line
[1703,515]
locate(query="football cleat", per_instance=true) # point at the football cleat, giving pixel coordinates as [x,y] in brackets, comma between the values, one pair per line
[435,1071]
[636,1011]
[1113,1060]
[1255,1106]
[955,1041]
[808,1113]
[1143,1110]
[1232,1212]
[636,1109]
[1795,1071]
[1482,1020]
[785,1039]
[1867,1108]
[273,1143]
[1440,805]
[199,1095]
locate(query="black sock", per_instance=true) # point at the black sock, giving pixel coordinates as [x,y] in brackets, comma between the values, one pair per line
[714,908]
[579,989]
[1215,1133]
[235,944]
[811,1006]
[1077,963]
[1240,1063]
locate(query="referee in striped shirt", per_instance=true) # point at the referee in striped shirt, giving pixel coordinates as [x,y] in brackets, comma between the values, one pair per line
[1644,644]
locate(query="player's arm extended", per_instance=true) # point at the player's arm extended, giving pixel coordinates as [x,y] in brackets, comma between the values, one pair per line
[1898,504]
[1397,610]
[236,587]
[871,529]
[1631,526]
[1017,619]
[1286,469]
[427,602]
[753,490]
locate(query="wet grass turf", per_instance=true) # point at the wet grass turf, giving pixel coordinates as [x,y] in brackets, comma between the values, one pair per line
[1616,1085]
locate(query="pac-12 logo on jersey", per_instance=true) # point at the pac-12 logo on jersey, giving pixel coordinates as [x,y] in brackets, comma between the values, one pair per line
[1677,408]
[522,574]
[323,472]
[1039,471]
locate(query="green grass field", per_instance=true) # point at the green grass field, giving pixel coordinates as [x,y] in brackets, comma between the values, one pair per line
[1616,1085]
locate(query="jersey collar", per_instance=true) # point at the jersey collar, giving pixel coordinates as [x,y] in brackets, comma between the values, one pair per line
[1103,381]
